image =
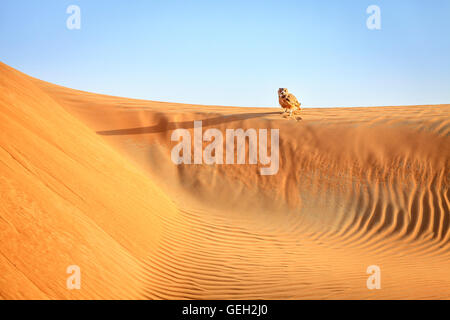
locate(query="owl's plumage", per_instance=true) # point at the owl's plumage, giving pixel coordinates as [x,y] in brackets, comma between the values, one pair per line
[288,101]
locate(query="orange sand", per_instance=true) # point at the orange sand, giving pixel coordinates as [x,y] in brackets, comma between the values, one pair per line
[87,179]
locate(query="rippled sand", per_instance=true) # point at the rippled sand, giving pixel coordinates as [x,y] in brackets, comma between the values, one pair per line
[87,180]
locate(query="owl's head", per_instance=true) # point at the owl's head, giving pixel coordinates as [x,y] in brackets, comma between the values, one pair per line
[282,91]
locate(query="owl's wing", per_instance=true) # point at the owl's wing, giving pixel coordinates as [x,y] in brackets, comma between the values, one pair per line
[292,99]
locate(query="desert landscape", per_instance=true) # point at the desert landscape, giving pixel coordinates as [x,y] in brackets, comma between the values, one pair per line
[87,179]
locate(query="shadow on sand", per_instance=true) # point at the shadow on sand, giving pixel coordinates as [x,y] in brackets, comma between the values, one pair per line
[164,126]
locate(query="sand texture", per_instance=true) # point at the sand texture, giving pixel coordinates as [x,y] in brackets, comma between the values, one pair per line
[87,179]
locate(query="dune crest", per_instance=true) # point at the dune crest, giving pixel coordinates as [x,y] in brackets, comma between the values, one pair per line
[87,179]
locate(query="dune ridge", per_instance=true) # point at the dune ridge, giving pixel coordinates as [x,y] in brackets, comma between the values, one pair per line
[356,187]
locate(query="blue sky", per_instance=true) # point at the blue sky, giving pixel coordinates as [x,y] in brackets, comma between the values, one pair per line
[236,53]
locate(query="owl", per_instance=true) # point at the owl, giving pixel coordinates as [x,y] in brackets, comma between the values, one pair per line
[288,101]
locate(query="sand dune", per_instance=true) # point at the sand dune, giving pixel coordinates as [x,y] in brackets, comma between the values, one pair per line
[87,179]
